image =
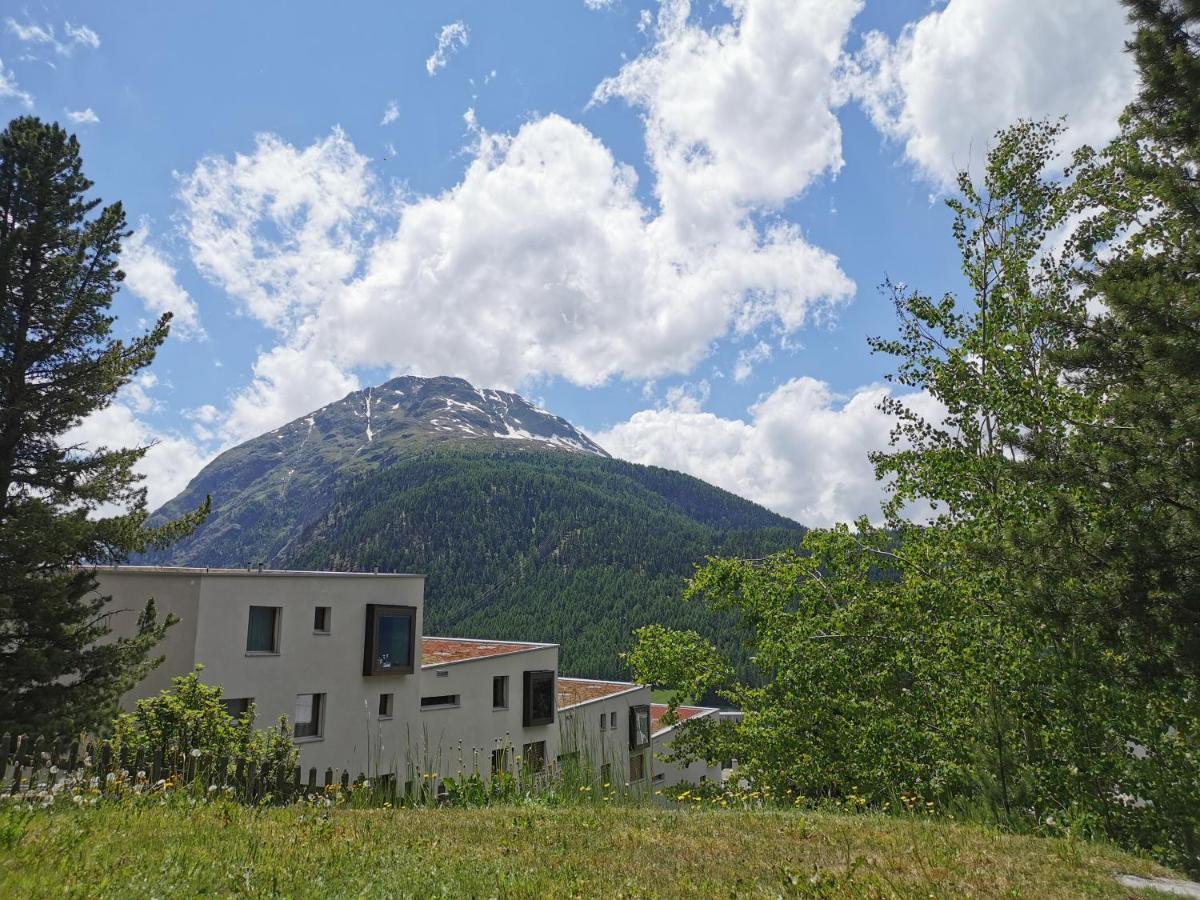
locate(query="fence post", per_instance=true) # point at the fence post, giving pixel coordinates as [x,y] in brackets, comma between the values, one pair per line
[16,779]
[328,777]
[5,749]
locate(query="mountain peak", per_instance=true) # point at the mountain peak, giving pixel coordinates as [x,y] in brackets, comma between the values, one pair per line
[442,409]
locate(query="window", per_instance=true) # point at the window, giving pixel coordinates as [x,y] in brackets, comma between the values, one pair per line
[500,692]
[309,710]
[385,706]
[660,777]
[539,698]
[637,766]
[262,632]
[603,721]
[390,639]
[639,727]
[534,756]
[612,720]
[321,617]
[500,759]
[237,706]
[440,701]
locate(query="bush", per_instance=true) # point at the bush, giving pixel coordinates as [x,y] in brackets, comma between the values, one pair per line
[191,719]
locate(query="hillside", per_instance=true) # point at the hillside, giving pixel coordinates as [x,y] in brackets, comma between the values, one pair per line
[537,851]
[526,528]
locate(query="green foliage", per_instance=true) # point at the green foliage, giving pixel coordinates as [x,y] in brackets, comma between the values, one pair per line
[191,717]
[1015,658]
[58,364]
[516,544]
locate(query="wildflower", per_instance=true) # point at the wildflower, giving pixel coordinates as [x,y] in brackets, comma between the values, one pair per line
[195,753]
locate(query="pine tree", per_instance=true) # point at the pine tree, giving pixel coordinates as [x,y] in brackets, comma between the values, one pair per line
[1140,457]
[58,273]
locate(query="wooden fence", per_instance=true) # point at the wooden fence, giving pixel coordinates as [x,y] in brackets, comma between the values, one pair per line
[38,764]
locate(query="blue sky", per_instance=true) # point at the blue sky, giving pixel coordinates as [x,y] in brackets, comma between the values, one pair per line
[605,205]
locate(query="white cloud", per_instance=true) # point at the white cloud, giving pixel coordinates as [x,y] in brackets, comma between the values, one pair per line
[288,382]
[391,113]
[168,465]
[747,358]
[81,34]
[543,261]
[450,40]
[738,116]
[83,116]
[33,33]
[151,277]
[10,90]
[802,452]
[276,229]
[956,76]
[599,4]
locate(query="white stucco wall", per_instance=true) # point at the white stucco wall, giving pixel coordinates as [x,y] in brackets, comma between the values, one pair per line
[669,773]
[475,726]
[580,731]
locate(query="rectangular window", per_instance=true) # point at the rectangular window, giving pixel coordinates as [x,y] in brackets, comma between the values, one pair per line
[321,616]
[390,640]
[262,632]
[309,710]
[637,766]
[500,692]
[604,721]
[500,759]
[639,727]
[237,706]
[534,756]
[538,706]
[439,702]
[385,706]
[612,720]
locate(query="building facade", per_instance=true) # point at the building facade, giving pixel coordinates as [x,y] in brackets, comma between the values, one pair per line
[343,657]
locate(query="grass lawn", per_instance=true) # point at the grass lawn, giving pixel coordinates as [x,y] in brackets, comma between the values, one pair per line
[586,851]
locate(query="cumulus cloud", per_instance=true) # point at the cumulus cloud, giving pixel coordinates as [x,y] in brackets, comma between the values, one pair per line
[83,116]
[151,277]
[168,465]
[390,113]
[599,4]
[450,40]
[10,90]
[738,115]
[543,261]
[802,451]
[956,76]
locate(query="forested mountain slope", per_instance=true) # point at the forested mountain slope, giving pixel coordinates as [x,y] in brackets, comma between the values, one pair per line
[525,528]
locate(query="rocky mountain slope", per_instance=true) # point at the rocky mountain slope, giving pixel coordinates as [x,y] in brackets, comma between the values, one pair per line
[525,527]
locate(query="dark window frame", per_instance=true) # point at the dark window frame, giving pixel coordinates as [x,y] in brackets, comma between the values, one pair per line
[276,620]
[635,713]
[533,756]
[441,701]
[537,679]
[317,723]
[640,757]
[375,613]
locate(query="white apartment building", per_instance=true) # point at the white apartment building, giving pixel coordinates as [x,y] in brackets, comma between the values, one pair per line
[661,738]
[343,657]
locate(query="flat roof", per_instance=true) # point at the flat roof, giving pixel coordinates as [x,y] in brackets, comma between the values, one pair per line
[682,714]
[210,570]
[577,691]
[440,651]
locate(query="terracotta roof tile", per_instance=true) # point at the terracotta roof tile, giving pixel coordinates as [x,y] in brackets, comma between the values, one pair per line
[572,691]
[439,651]
[658,710]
